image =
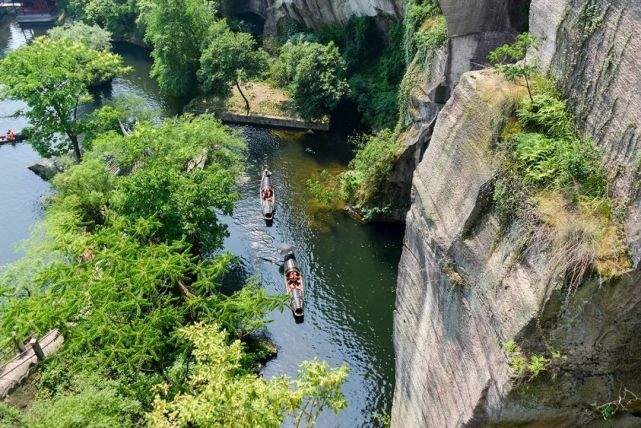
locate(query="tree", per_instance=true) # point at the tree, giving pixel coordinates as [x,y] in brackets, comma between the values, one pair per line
[117,16]
[316,77]
[228,58]
[91,36]
[220,393]
[177,30]
[53,77]
[511,60]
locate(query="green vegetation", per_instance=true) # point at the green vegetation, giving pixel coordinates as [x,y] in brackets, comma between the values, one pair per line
[368,170]
[374,66]
[523,367]
[511,60]
[314,75]
[220,392]
[53,78]
[228,59]
[553,181]
[92,36]
[117,16]
[126,260]
[178,31]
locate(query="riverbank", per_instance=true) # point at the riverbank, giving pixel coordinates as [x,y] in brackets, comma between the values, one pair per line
[269,107]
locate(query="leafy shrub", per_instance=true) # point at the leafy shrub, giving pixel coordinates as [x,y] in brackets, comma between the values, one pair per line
[116,16]
[417,13]
[372,164]
[89,401]
[314,75]
[92,36]
[219,392]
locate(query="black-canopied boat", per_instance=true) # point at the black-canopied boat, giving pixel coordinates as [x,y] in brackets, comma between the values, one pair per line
[267,197]
[294,287]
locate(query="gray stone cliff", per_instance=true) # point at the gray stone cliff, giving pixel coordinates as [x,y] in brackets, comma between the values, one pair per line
[466,287]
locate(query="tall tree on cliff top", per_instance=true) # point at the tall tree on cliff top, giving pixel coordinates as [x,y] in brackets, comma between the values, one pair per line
[177,30]
[228,58]
[53,78]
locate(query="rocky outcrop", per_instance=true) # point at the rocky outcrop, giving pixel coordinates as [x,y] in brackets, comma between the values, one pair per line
[593,49]
[476,27]
[317,13]
[467,286]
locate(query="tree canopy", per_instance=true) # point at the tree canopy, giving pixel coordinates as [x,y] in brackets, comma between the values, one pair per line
[117,16]
[126,260]
[228,58]
[177,30]
[92,36]
[53,78]
[314,73]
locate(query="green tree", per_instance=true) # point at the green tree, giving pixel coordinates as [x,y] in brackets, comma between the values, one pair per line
[315,74]
[511,60]
[228,58]
[221,393]
[91,36]
[53,78]
[117,16]
[177,30]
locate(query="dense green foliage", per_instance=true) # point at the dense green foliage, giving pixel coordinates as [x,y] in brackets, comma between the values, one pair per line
[53,78]
[92,36]
[126,257]
[178,31]
[375,66]
[117,16]
[219,392]
[314,74]
[424,27]
[368,170]
[229,58]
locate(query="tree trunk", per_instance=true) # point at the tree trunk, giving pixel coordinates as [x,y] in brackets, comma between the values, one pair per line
[244,97]
[76,146]
[529,90]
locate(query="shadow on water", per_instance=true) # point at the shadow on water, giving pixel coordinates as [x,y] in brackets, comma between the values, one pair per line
[349,268]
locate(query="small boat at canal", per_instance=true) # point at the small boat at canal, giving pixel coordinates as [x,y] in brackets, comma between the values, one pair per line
[294,287]
[10,137]
[267,197]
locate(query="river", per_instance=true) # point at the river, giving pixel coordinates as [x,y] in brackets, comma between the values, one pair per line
[350,268]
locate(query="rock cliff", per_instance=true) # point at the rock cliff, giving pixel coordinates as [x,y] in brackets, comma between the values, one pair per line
[316,13]
[466,287]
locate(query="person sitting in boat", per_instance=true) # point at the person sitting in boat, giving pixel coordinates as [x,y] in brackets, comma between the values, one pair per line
[293,280]
[11,136]
[267,193]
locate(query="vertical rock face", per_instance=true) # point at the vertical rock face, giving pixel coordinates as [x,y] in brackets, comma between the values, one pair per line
[466,287]
[476,27]
[593,48]
[317,13]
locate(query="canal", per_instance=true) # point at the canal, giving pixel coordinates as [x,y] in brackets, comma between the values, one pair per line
[350,268]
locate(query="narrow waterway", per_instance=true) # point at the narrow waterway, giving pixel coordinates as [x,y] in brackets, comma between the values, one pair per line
[350,268]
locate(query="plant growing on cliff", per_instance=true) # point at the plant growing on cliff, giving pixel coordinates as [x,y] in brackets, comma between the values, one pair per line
[229,58]
[511,60]
[53,78]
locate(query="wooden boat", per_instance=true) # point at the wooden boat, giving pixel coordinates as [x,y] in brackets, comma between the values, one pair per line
[267,197]
[294,286]
[17,138]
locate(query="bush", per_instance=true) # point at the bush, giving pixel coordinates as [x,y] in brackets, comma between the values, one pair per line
[314,75]
[370,167]
[91,36]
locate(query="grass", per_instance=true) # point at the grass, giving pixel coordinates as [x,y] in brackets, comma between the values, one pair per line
[264,100]
[552,180]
